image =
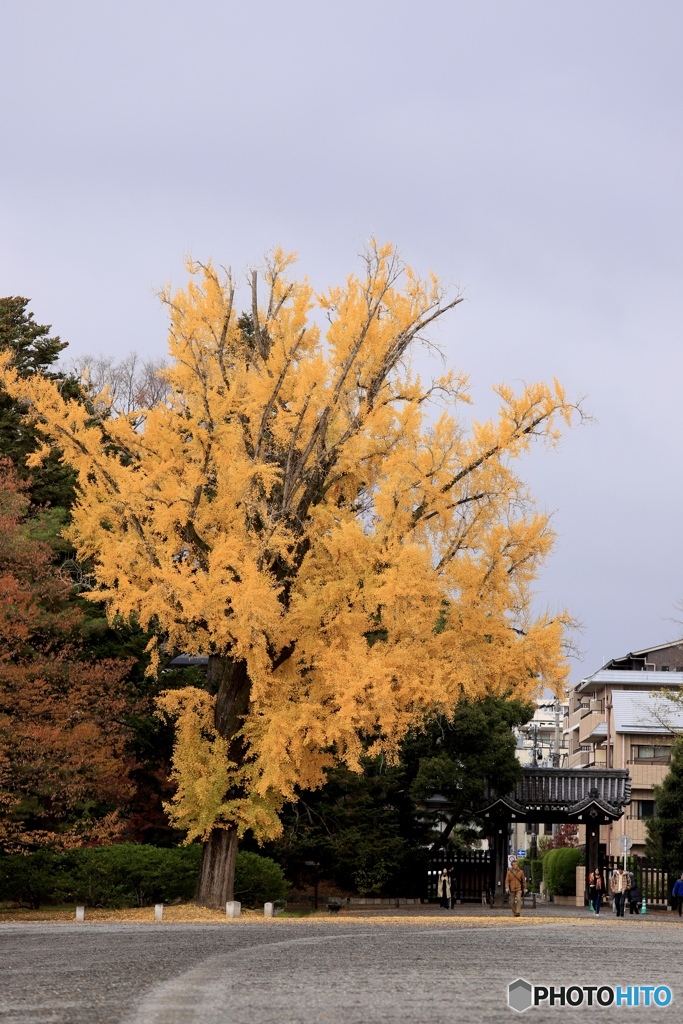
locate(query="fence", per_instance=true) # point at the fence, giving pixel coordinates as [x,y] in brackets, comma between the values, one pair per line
[652,880]
[471,873]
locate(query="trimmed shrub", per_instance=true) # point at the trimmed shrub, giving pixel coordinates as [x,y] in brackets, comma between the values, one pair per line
[559,871]
[536,875]
[27,880]
[258,880]
[128,875]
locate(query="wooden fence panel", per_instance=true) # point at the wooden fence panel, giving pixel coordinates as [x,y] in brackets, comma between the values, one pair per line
[471,874]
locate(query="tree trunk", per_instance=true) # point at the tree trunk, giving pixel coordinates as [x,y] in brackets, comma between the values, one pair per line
[229,680]
[217,872]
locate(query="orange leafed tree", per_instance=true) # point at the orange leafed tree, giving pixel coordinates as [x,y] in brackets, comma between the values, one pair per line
[306,511]
[63,768]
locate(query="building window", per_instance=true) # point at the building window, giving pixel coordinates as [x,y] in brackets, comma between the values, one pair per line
[656,755]
[646,809]
[547,830]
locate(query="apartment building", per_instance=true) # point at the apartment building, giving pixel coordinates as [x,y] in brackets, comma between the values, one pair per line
[620,717]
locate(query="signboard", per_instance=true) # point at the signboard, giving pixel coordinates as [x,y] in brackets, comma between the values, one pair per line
[521,853]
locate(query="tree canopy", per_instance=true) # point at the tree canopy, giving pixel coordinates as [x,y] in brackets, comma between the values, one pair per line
[323,524]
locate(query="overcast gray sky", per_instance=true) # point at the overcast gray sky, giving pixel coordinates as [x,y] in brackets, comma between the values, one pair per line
[529,152]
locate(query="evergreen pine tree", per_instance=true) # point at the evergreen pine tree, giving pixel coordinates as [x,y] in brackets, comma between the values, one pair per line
[34,351]
[665,831]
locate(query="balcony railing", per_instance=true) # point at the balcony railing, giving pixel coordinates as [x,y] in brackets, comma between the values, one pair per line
[663,759]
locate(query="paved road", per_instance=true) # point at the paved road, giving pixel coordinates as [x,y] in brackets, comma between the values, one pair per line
[414,972]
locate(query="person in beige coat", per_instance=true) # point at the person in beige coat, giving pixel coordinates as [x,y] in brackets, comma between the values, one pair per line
[515,885]
[443,889]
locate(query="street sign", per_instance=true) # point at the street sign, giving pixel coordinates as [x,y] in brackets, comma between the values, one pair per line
[521,853]
[625,844]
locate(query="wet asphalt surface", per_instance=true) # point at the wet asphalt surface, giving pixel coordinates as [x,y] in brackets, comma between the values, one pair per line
[311,973]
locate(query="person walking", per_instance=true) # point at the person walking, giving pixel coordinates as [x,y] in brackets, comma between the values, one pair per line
[620,884]
[443,889]
[678,894]
[515,885]
[635,896]
[454,887]
[596,890]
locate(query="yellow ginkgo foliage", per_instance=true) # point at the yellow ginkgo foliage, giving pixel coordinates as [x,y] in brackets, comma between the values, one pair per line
[306,511]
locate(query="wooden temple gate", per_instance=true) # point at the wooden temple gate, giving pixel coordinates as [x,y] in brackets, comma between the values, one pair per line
[575,796]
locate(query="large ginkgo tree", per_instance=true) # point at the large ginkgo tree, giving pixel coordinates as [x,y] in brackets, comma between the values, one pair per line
[308,512]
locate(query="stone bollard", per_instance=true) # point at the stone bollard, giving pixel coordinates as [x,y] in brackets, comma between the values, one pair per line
[80,913]
[268,910]
[233,909]
[158,911]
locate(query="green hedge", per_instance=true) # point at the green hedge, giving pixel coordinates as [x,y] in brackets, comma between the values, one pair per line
[559,871]
[258,880]
[536,875]
[128,875]
[533,869]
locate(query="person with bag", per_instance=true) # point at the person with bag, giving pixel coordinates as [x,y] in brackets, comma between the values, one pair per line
[515,885]
[596,890]
[443,889]
[620,885]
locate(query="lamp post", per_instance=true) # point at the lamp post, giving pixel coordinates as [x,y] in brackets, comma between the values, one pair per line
[316,865]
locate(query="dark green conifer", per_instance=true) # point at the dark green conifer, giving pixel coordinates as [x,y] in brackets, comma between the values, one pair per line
[665,830]
[34,350]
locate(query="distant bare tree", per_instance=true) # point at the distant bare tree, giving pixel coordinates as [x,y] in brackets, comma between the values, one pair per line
[132,383]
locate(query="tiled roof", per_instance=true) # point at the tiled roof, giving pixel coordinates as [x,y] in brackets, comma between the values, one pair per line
[645,713]
[627,678]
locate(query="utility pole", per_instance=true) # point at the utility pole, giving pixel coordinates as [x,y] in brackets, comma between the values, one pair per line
[556,739]
[608,757]
[532,731]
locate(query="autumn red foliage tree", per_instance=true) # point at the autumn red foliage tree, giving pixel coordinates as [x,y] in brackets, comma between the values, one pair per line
[64,767]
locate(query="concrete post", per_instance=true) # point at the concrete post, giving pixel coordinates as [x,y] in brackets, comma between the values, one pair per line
[233,908]
[158,911]
[268,910]
[80,913]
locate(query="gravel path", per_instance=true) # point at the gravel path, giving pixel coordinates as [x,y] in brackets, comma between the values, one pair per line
[298,972]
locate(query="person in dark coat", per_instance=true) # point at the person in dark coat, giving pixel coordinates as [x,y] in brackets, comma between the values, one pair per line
[454,887]
[678,894]
[635,897]
[596,890]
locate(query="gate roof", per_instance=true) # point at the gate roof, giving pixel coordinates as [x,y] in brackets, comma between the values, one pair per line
[559,795]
